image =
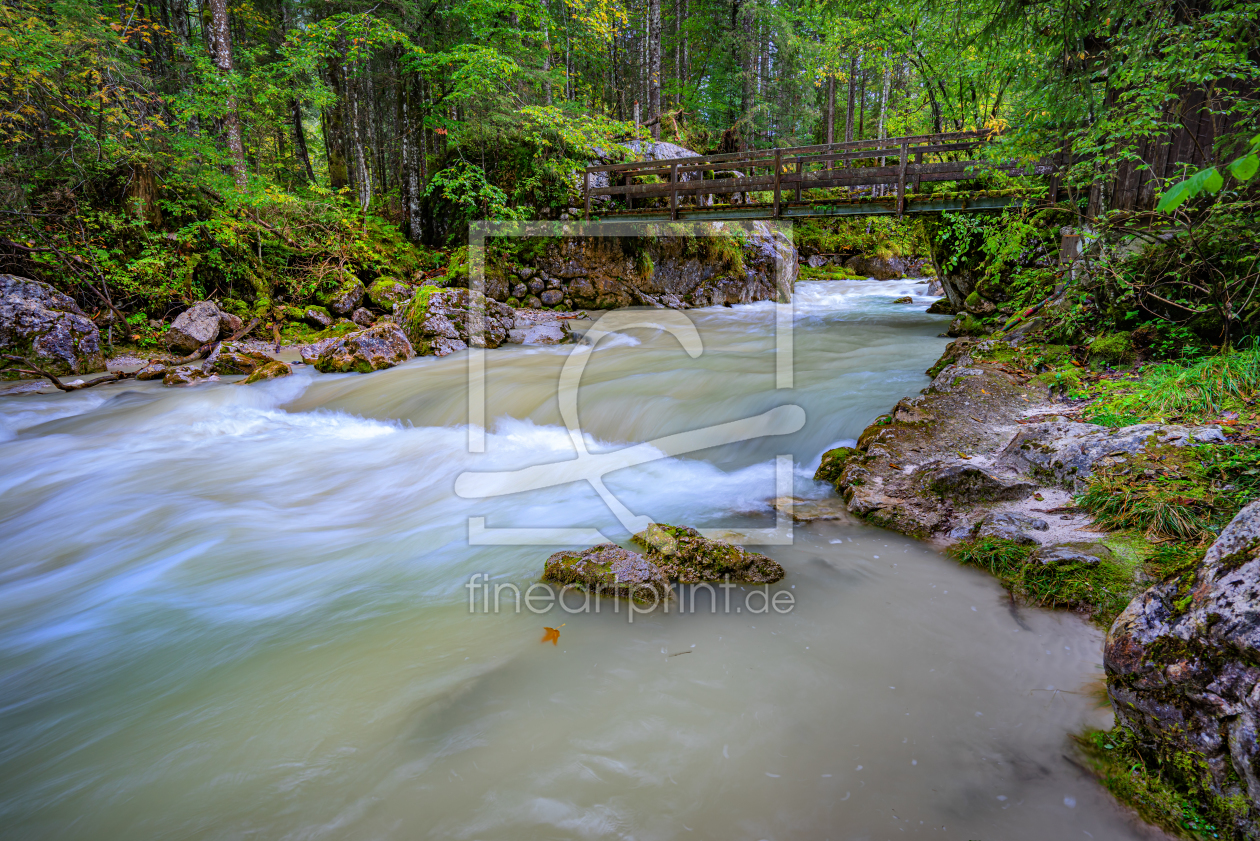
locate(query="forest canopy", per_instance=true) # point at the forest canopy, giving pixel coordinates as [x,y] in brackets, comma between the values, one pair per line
[132,131]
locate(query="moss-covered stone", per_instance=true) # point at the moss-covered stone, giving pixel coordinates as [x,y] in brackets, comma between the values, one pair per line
[833,462]
[610,570]
[270,371]
[1114,349]
[684,555]
[345,297]
[966,325]
[385,292]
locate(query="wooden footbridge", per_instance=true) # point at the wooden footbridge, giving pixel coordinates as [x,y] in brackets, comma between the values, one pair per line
[882,177]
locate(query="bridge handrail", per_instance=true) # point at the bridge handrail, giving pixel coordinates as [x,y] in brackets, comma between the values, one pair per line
[875,145]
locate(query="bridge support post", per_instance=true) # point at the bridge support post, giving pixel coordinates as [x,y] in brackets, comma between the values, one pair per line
[800,169]
[901,179]
[778,174]
[673,193]
[586,192]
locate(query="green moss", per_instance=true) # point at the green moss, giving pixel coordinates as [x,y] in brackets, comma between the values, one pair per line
[1114,349]
[833,462]
[973,300]
[828,273]
[1169,788]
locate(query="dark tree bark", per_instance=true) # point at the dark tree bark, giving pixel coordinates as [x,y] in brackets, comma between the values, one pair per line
[299,140]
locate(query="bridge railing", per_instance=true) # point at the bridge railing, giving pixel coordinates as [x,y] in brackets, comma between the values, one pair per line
[903,162]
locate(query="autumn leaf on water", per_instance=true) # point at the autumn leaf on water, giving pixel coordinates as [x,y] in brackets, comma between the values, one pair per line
[552,635]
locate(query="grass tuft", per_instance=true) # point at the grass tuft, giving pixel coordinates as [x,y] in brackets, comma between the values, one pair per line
[1165,510]
[1101,590]
[1170,391]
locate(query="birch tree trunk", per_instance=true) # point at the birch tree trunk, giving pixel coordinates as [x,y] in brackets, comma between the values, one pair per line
[220,36]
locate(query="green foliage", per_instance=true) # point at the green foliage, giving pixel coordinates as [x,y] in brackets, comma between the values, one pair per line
[464,186]
[1210,180]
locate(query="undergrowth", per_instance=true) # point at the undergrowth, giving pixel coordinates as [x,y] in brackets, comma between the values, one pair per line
[1175,493]
[1171,391]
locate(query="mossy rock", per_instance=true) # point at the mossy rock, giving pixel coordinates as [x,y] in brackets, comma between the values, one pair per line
[689,558]
[387,291]
[345,297]
[270,371]
[833,462]
[1114,349]
[609,570]
[967,325]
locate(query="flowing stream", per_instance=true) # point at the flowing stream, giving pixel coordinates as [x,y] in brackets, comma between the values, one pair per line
[231,612]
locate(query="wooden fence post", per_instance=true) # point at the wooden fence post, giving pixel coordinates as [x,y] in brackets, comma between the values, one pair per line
[800,169]
[586,190]
[901,179]
[778,172]
[673,192]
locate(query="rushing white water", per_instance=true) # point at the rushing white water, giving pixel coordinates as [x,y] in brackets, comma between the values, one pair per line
[233,611]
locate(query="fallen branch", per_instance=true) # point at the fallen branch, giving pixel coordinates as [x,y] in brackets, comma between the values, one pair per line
[244,331]
[34,371]
[200,353]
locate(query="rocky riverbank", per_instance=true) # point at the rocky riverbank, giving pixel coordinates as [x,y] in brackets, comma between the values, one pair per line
[991,463]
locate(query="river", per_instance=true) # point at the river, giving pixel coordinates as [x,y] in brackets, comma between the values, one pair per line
[233,612]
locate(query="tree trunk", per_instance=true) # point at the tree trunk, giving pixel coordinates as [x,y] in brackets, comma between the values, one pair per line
[362,176]
[299,140]
[747,67]
[544,19]
[335,130]
[848,115]
[221,52]
[654,67]
[829,109]
[861,95]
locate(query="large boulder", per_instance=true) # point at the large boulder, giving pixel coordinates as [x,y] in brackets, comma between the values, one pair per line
[1183,671]
[47,327]
[194,327]
[880,268]
[310,353]
[684,555]
[382,346]
[235,358]
[539,328]
[438,321]
[344,299]
[608,569]
[387,291]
